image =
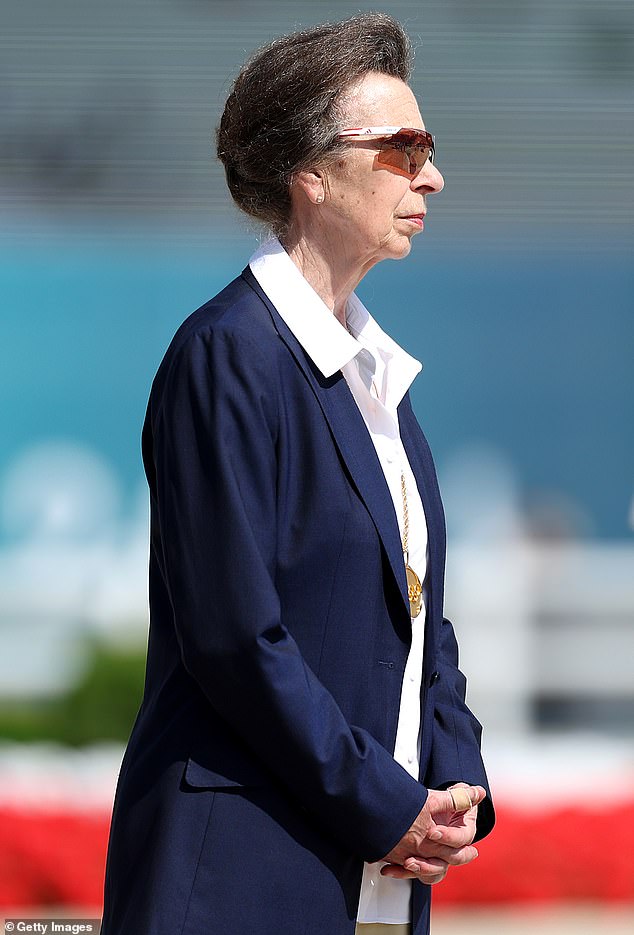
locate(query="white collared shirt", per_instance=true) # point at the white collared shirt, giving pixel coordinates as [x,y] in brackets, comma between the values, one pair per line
[379,373]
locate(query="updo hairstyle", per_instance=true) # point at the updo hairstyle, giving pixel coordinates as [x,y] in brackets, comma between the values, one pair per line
[281,115]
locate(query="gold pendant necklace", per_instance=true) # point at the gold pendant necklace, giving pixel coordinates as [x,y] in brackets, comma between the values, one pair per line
[414,586]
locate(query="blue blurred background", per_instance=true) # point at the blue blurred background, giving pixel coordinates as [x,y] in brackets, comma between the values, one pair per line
[115,224]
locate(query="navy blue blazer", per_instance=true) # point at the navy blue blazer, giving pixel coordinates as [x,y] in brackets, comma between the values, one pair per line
[259,773]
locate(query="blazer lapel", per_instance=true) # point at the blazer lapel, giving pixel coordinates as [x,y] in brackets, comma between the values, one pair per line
[353,441]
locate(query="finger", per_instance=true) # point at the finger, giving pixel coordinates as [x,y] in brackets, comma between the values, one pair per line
[424,875]
[454,856]
[428,878]
[415,867]
[461,800]
[463,796]
[442,810]
[452,826]
[453,837]
[431,880]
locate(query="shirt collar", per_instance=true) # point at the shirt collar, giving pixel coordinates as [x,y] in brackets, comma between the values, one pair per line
[329,345]
[401,367]
[320,333]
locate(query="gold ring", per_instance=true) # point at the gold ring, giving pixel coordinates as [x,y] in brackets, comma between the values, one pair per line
[461,800]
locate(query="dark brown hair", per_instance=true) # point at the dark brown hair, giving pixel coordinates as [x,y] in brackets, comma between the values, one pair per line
[281,114]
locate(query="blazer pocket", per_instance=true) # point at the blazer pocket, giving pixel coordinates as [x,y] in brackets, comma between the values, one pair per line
[239,776]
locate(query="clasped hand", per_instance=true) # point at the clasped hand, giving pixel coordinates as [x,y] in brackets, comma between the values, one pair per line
[441,837]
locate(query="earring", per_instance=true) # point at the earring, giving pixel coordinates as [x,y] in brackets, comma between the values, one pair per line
[319,199]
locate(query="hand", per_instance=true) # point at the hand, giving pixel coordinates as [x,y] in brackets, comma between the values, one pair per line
[440,837]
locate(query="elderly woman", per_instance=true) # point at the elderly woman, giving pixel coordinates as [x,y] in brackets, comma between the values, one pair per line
[303,762]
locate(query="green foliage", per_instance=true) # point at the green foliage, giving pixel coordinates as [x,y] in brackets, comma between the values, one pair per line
[101,706]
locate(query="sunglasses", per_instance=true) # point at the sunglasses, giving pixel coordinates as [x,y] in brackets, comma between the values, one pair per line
[404,149]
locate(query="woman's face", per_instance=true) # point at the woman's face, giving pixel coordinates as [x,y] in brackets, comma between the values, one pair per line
[371,211]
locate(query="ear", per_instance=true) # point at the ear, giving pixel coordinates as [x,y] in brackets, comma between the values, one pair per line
[312,184]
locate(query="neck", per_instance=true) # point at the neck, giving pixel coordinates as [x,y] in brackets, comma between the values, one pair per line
[329,271]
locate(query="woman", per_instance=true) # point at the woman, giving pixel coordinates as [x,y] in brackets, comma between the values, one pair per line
[303,710]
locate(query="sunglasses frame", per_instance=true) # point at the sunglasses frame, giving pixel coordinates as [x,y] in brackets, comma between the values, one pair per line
[360,134]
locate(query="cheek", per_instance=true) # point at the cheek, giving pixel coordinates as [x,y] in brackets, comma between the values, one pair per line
[383,204]
[371,208]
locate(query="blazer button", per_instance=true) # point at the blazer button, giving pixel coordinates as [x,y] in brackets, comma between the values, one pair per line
[433,678]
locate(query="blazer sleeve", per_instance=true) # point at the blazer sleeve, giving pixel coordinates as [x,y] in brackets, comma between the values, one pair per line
[455,755]
[214,417]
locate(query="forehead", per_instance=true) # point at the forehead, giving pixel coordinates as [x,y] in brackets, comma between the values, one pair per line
[381,100]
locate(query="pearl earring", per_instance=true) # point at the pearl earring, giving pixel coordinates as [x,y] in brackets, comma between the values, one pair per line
[319,199]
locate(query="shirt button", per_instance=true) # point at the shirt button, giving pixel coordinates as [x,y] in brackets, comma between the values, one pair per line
[410,759]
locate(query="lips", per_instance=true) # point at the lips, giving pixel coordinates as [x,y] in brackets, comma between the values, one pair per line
[416,219]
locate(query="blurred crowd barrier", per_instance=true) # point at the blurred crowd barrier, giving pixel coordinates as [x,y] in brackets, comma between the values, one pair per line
[544,613]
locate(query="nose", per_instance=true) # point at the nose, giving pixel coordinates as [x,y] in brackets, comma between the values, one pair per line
[429,179]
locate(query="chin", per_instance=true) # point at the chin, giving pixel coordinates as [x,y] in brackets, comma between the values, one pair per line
[400,249]
[393,247]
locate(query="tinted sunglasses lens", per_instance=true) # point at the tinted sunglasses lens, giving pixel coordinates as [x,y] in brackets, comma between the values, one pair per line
[406,152]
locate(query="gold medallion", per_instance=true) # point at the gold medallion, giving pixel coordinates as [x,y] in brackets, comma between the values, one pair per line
[414,592]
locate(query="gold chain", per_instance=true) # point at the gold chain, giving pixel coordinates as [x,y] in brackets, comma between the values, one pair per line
[405,518]
[414,584]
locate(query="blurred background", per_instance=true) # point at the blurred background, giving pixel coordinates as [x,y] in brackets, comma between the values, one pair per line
[115,224]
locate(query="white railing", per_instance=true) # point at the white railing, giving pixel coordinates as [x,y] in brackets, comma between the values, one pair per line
[542,620]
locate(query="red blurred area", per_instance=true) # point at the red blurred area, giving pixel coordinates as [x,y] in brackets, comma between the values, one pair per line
[564,855]
[52,859]
[567,855]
